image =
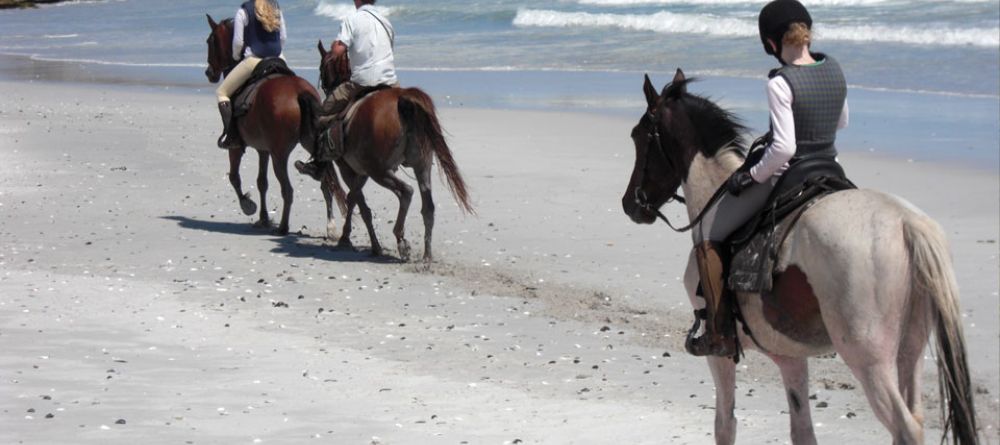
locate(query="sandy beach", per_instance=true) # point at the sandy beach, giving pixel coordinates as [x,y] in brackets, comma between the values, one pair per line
[138,305]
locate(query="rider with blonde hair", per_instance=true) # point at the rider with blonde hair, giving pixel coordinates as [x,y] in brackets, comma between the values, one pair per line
[807,98]
[258,32]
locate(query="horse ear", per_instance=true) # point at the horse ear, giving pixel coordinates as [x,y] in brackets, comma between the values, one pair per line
[211,22]
[651,96]
[322,51]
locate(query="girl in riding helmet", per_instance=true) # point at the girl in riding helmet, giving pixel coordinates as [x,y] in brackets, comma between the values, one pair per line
[258,32]
[807,98]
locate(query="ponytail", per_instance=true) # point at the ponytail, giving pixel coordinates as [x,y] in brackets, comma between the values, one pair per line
[798,34]
[268,14]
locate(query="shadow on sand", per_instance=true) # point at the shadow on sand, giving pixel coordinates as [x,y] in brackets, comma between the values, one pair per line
[295,245]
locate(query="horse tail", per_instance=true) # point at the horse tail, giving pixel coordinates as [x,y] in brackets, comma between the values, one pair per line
[309,108]
[934,278]
[418,115]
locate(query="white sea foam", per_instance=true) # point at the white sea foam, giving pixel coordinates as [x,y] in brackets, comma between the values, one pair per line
[339,10]
[731,2]
[703,24]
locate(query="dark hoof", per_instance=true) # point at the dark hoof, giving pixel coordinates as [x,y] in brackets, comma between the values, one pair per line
[247,205]
[281,230]
[345,243]
[263,224]
[376,251]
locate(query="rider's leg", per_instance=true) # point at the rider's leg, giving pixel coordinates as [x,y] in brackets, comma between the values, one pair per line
[727,215]
[329,142]
[230,137]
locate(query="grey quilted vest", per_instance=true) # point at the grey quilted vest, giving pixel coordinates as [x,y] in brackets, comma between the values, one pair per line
[818,95]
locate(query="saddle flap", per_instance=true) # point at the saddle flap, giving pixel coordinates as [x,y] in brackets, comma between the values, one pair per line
[265,70]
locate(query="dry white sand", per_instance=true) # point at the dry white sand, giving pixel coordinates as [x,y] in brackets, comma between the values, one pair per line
[137,305]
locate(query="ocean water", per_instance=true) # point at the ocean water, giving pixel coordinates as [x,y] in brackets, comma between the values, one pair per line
[924,71]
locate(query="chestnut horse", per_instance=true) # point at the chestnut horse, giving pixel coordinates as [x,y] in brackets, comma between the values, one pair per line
[392,127]
[862,273]
[272,127]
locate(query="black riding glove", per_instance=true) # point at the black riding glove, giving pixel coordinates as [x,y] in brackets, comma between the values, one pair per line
[739,182]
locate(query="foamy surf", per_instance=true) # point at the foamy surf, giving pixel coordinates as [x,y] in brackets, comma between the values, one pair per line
[340,10]
[672,23]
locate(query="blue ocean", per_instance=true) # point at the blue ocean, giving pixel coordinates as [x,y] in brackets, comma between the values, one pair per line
[924,74]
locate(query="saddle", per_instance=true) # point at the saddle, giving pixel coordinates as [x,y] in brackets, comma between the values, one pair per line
[331,143]
[754,247]
[267,69]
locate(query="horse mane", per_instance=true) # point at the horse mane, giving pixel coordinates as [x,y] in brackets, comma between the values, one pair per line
[715,128]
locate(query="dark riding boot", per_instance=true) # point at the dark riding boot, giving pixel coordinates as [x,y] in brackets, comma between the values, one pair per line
[719,338]
[230,137]
[329,147]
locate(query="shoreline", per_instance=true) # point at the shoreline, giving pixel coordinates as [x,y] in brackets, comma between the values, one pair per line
[909,126]
[145,296]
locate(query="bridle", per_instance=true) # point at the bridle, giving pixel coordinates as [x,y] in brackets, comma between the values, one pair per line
[642,200]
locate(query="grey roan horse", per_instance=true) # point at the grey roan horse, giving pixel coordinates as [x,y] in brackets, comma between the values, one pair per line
[862,273]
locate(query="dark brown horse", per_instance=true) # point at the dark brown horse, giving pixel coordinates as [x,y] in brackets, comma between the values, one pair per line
[272,126]
[393,127]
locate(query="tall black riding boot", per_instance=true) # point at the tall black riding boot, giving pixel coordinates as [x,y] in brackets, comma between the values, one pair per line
[230,138]
[719,338]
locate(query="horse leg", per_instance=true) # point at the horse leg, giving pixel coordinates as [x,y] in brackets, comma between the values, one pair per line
[724,376]
[405,193]
[723,368]
[235,159]
[287,192]
[328,184]
[427,207]
[264,220]
[795,375]
[909,363]
[872,366]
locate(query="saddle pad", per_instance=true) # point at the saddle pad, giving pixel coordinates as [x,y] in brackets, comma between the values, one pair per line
[752,267]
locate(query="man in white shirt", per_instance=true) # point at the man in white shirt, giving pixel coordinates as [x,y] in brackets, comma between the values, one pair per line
[368,39]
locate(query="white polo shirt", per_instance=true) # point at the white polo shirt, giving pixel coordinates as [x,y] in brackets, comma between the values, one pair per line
[369,39]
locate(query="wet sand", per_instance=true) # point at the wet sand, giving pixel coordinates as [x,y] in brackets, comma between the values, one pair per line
[138,305]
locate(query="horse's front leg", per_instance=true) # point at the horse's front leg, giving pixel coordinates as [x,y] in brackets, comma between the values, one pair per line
[405,194]
[263,219]
[723,368]
[795,375]
[235,159]
[331,189]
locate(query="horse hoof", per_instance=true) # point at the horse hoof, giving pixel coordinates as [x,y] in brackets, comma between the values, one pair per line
[404,251]
[247,205]
[262,224]
[332,232]
[281,230]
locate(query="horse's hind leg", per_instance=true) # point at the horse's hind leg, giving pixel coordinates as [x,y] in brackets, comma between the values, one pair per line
[246,204]
[405,194]
[909,362]
[881,386]
[795,375]
[287,191]
[264,220]
[427,207]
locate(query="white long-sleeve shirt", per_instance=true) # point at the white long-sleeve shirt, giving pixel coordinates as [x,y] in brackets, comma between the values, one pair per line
[241,21]
[783,146]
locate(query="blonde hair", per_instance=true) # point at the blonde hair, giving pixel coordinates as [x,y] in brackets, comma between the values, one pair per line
[268,14]
[798,34]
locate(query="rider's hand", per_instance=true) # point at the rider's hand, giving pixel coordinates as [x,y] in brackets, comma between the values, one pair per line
[739,182]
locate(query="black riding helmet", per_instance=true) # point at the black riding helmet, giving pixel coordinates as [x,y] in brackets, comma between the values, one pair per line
[775,19]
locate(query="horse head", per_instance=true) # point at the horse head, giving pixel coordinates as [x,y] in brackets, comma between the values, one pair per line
[333,70]
[220,49]
[677,126]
